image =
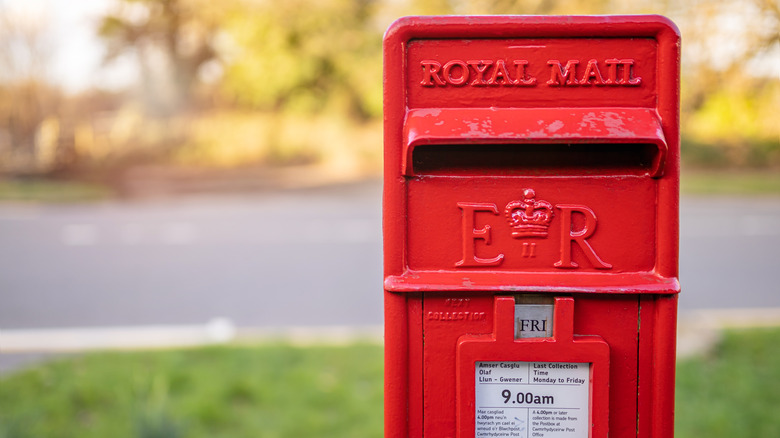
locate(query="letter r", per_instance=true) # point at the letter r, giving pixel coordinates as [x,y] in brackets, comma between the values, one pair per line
[431,74]
[569,236]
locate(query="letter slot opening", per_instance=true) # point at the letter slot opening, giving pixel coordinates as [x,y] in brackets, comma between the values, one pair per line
[535,159]
[538,141]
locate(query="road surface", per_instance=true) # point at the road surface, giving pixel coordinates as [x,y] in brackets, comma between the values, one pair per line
[294,258]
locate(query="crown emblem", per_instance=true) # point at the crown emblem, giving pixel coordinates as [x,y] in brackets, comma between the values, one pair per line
[529,217]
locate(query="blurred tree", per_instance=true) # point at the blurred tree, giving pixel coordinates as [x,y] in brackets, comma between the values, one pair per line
[25,46]
[529,7]
[730,87]
[325,56]
[726,42]
[763,37]
[26,96]
[306,55]
[172,40]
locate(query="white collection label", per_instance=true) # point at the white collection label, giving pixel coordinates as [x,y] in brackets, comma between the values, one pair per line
[532,399]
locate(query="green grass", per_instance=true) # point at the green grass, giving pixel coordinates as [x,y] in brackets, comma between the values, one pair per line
[732,392]
[284,391]
[711,182]
[270,391]
[41,190]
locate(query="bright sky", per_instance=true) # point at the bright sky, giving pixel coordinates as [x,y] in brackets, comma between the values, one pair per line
[78,52]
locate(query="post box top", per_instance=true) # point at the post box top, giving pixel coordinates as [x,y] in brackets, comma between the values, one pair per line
[532,153]
[506,26]
[532,61]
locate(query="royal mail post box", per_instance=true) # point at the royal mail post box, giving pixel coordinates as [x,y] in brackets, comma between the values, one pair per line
[531,226]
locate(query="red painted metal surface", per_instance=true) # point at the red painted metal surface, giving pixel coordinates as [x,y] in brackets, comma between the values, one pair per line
[531,157]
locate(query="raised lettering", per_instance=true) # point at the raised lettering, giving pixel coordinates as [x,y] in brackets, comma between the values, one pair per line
[628,73]
[562,75]
[481,73]
[612,64]
[464,72]
[529,250]
[431,77]
[480,67]
[455,316]
[472,234]
[522,77]
[570,236]
[592,73]
[501,75]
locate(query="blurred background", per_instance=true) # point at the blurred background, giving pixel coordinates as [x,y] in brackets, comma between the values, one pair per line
[112,91]
[186,172]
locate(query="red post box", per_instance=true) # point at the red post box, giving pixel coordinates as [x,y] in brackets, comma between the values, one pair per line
[531,226]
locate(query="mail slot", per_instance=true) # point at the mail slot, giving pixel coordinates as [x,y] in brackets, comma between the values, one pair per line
[531,226]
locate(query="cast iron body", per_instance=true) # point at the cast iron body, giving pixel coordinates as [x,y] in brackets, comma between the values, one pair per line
[531,156]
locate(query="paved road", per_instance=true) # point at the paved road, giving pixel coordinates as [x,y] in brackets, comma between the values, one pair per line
[729,253]
[306,258]
[297,258]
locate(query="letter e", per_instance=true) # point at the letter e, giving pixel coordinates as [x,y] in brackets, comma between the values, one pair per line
[471,234]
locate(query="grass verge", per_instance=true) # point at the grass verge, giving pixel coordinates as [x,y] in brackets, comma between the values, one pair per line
[269,391]
[284,391]
[41,190]
[724,182]
[732,392]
